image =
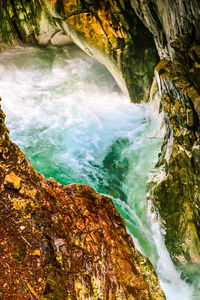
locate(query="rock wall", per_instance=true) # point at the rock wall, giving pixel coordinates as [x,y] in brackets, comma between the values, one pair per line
[177,194]
[63,242]
[175,27]
[168,20]
[25,22]
[111,28]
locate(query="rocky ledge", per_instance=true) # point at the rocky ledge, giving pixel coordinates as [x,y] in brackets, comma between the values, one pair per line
[63,242]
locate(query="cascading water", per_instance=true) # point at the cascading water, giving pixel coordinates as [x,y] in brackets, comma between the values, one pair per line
[66,113]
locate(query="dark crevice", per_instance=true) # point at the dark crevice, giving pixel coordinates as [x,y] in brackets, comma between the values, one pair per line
[17,30]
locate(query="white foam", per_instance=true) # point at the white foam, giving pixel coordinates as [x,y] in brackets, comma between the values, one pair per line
[66,112]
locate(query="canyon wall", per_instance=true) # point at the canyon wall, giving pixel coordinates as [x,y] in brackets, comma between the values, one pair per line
[24,22]
[114,33]
[175,28]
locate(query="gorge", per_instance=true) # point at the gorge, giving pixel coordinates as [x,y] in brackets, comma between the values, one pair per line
[68,116]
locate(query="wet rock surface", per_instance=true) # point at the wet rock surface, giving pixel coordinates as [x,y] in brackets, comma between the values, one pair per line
[177,194]
[175,27]
[63,242]
[26,22]
[113,28]
[168,20]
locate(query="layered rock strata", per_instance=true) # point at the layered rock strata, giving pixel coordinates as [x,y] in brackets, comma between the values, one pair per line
[63,242]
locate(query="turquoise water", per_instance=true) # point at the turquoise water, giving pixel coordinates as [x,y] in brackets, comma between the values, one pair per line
[67,114]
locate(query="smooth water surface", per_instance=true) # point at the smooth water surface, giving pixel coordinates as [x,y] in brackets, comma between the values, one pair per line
[66,113]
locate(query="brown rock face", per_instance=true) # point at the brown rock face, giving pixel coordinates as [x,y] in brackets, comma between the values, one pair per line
[63,242]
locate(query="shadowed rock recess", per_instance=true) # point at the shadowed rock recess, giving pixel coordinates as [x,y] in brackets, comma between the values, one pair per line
[63,242]
[114,33]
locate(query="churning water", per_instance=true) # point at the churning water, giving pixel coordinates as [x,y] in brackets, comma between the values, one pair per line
[66,113]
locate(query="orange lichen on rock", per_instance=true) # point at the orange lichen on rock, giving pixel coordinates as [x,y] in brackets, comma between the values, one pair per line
[14,180]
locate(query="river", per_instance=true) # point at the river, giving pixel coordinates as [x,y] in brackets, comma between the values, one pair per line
[65,111]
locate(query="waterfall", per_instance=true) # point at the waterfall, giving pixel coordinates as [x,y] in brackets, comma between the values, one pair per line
[66,113]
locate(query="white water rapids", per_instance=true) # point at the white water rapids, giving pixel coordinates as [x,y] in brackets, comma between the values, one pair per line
[66,113]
